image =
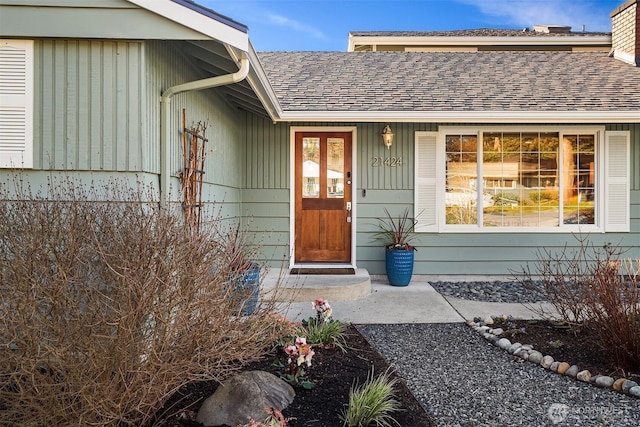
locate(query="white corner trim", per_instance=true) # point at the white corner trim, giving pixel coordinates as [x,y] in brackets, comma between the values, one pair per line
[625,57]
[197,22]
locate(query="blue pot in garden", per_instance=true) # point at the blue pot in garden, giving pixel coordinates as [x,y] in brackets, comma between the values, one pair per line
[248,287]
[399,266]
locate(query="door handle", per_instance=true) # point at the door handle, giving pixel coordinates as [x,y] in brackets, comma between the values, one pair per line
[349,206]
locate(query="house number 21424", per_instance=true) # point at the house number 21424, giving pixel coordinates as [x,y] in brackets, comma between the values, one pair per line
[386,161]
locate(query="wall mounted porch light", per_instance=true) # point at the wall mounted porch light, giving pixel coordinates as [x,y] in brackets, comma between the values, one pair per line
[387,136]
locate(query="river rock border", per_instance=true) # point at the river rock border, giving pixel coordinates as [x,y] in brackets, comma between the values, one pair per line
[528,353]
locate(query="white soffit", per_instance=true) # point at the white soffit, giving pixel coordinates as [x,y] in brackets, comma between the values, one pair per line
[196,21]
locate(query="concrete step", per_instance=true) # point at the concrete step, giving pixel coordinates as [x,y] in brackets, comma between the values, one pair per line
[308,287]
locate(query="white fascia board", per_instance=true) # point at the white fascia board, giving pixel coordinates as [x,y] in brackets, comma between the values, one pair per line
[481,41]
[465,117]
[209,27]
[261,85]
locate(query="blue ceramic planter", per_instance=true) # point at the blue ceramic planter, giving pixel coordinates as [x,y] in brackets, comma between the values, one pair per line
[399,267]
[249,287]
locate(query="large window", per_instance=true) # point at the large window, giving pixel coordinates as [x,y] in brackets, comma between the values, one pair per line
[526,178]
[520,179]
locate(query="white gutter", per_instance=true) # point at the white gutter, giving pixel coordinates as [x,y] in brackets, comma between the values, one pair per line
[599,40]
[463,117]
[165,115]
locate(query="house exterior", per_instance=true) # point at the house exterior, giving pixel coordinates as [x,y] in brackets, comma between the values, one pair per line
[498,152]
[92,89]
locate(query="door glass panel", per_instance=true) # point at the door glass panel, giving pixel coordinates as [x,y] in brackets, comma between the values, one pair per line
[311,168]
[335,168]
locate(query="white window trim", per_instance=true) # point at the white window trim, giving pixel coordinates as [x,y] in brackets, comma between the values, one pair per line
[600,225]
[16,110]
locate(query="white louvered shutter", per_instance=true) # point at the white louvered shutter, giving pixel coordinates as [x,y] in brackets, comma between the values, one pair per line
[16,103]
[425,186]
[617,197]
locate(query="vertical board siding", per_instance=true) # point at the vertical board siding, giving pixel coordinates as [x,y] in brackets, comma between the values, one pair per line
[375,173]
[265,194]
[99,110]
[167,66]
[266,198]
[266,154]
[89,96]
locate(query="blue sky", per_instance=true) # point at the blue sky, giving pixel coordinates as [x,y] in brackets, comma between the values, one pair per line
[325,24]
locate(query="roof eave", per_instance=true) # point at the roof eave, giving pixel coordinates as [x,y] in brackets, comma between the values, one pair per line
[464,116]
[480,41]
[219,29]
[262,87]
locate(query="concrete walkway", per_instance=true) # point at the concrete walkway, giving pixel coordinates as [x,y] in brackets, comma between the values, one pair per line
[416,303]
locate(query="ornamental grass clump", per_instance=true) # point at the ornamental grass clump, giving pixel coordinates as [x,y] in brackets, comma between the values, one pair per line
[397,233]
[331,333]
[372,403]
[108,305]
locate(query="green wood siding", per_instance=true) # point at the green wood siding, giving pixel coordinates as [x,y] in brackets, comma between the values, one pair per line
[88,113]
[373,174]
[267,145]
[167,66]
[104,19]
[267,198]
[97,109]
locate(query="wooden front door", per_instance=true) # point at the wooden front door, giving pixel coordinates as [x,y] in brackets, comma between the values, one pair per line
[323,197]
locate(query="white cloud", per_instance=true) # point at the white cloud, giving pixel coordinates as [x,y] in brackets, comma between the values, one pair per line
[526,13]
[283,21]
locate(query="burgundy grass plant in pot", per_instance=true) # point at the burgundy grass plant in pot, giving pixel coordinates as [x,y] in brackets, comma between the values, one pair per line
[397,233]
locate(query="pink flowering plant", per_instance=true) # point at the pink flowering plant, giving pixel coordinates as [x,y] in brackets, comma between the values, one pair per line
[323,330]
[322,308]
[274,419]
[299,357]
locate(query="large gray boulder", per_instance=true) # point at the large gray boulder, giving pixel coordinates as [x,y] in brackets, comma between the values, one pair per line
[245,395]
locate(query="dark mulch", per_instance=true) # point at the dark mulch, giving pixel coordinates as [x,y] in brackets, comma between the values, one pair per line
[333,372]
[576,346]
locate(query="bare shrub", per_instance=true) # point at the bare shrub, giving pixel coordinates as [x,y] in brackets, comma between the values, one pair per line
[614,310]
[593,288]
[107,308]
[565,280]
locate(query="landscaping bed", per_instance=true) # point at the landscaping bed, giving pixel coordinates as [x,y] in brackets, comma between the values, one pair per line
[333,372]
[576,346]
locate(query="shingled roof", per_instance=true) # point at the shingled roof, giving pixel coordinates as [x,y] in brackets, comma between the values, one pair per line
[452,81]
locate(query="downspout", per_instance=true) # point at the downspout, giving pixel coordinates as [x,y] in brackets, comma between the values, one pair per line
[165,116]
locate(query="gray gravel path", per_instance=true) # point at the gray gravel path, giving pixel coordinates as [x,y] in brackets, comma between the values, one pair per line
[495,291]
[463,380]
